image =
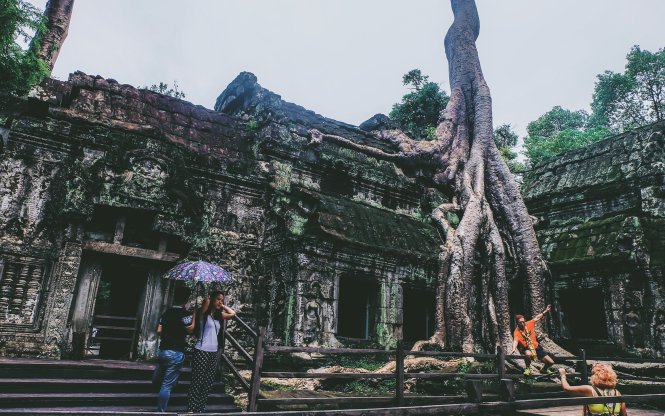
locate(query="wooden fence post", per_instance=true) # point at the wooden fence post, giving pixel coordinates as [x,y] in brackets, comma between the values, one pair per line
[583,367]
[399,374]
[500,362]
[255,384]
[221,351]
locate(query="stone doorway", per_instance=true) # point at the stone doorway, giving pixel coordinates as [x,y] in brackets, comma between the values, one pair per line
[118,304]
[584,313]
[418,309]
[113,332]
[357,308]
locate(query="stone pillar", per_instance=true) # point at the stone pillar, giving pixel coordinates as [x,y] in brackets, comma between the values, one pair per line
[153,304]
[84,305]
[389,322]
[65,273]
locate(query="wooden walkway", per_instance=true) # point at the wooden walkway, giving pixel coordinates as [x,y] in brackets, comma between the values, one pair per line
[577,411]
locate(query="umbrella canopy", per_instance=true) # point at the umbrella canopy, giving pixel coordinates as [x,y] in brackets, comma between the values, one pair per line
[199,271]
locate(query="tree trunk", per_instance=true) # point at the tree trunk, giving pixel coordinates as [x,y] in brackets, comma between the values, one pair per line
[494,218]
[47,44]
[494,228]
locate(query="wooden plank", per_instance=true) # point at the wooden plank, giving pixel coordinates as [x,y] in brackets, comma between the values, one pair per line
[570,401]
[318,350]
[501,362]
[255,384]
[124,318]
[434,410]
[112,339]
[399,373]
[448,354]
[575,411]
[119,328]
[507,390]
[235,372]
[584,369]
[327,400]
[354,376]
[239,348]
[474,390]
[244,326]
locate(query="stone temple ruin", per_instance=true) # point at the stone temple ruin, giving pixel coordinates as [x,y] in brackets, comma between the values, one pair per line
[103,187]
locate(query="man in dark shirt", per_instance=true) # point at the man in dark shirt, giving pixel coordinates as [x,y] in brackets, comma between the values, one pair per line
[173,326]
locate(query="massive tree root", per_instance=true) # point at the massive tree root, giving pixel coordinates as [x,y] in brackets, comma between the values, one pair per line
[494,228]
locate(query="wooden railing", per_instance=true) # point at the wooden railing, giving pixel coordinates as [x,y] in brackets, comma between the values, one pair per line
[474,382]
[121,329]
[235,345]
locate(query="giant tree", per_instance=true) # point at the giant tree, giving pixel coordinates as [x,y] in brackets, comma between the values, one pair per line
[48,42]
[485,226]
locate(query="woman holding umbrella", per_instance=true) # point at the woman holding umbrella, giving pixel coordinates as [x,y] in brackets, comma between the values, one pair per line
[209,322]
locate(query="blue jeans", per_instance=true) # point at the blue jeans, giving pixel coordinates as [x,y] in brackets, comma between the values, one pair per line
[169,364]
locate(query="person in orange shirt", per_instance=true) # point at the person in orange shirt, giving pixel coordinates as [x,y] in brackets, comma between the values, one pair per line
[524,340]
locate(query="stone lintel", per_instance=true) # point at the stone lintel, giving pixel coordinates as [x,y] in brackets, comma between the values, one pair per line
[121,250]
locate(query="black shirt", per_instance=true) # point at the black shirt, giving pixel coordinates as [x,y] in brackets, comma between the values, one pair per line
[173,323]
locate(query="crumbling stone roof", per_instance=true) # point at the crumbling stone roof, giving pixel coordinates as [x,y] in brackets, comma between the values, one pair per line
[604,202]
[615,161]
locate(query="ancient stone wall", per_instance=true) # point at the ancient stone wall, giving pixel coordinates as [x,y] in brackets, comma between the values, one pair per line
[601,216]
[95,174]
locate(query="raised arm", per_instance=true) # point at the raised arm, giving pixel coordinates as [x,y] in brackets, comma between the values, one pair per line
[227,313]
[542,314]
[581,391]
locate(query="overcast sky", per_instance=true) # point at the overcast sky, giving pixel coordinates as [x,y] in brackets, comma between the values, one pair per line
[345,58]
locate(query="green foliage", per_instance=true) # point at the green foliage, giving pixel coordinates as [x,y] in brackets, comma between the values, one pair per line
[20,69]
[506,139]
[367,362]
[464,366]
[419,111]
[164,88]
[557,120]
[557,131]
[369,388]
[251,126]
[540,148]
[623,101]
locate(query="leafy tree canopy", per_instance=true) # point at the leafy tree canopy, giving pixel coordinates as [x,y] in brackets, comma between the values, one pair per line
[419,111]
[634,98]
[541,148]
[506,139]
[164,88]
[20,69]
[557,120]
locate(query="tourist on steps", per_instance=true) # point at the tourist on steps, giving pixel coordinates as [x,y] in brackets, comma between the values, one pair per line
[209,322]
[603,383]
[524,340]
[173,326]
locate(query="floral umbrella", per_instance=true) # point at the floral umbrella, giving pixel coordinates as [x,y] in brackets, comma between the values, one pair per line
[199,271]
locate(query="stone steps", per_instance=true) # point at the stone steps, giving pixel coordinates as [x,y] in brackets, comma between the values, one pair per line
[32,386]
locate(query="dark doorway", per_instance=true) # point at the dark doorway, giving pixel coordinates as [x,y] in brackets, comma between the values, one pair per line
[516,297]
[337,182]
[115,323]
[418,307]
[584,313]
[356,307]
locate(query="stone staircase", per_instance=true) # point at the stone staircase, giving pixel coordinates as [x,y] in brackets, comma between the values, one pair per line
[33,386]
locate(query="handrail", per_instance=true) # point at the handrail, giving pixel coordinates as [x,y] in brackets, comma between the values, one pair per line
[473,380]
[236,373]
[239,348]
[318,350]
[245,326]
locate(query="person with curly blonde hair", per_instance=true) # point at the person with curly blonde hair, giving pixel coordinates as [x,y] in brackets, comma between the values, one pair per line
[603,383]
